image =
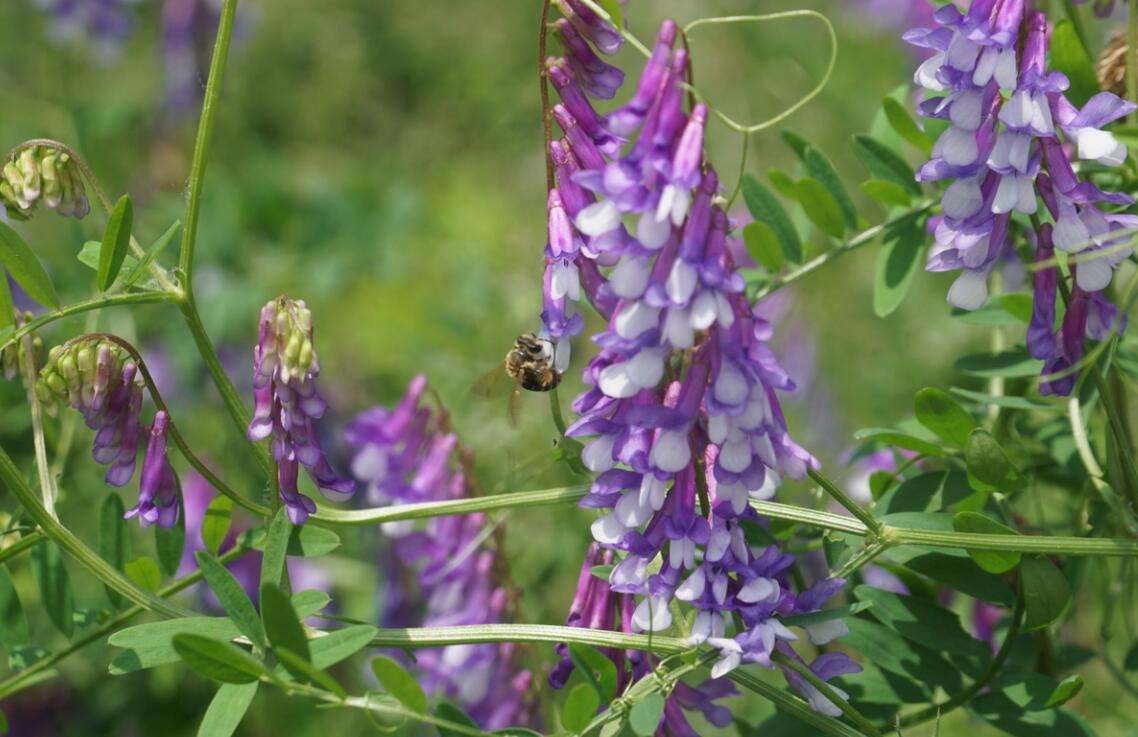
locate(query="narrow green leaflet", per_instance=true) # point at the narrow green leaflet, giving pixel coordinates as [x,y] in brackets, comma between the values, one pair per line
[580,707]
[89,256]
[900,439]
[922,622]
[820,206]
[763,245]
[227,709]
[308,602]
[215,524]
[144,572]
[992,561]
[114,540]
[116,241]
[962,574]
[903,123]
[1065,691]
[887,193]
[149,645]
[825,615]
[645,715]
[399,683]
[170,541]
[13,624]
[893,653]
[926,492]
[233,598]
[219,661]
[152,253]
[306,671]
[1046,592]
[25,268]
[782,182]
[7,309]
[1004,401]
[885,163]
[943,415]
[340,644]
[898,262]
[765,208]
[453,713]
[1013,363]
[55,587]
[276,543]
[282,625]
[819,167]
[1069,56]
[599,670]
[988,461]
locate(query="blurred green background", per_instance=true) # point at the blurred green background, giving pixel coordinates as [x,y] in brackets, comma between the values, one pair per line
[383,161]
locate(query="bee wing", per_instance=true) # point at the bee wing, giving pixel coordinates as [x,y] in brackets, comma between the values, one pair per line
[493,383]
[514,407]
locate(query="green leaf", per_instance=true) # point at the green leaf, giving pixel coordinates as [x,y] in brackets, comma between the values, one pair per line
[987,460]
[1065,691]
[340,644]
[825,615]
[1069,56]
[276,543]
[580,707]
[139,269]
[1046,593]
[114,540]
[25,268]
[899,439]
[306,671]
[992,561]
[884,163]
[962,574]
[887,193]
[399,683]
[215,524]
[765,208]
[763,245]
[903,123]
[820,168]
[597,669]
[219,661]
[820,206]
[453,713]
[898,262]
[893,653]
[306,603]
[149,645]
[795,141]
[1011,718]
[55,587]
[943,415]
[923,622]
[1014,363]
[227,709]
[233,598]
[999,311]
[7,308]
[926,492]
[1004,401]
[13,624]
[1131,660]
[645,715]
[144,572]
[282,625]
[782,182]
[170,541]
[116,241]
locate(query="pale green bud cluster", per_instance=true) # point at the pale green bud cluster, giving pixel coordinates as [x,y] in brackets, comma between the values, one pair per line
[43,174]
[286,340]
[81,374]
[12,356]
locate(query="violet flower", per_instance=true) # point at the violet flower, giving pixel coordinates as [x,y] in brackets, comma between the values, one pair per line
[287,405]
[187,27]
[106,23]
[158,486]
[406,454]
[682,420]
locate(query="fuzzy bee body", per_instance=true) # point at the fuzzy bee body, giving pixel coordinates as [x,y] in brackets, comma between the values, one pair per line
[530,364]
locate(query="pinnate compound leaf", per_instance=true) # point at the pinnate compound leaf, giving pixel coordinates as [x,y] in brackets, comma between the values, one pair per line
[215,524]
[116,241]
[227,709]
[400,684]
[217,660]
[21,262]
[765,208]
[1046,592]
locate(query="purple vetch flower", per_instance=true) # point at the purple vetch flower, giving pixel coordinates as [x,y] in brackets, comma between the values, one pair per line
[158,485]
[407,454]
[287,405]
[1008,144]
[598,31]
[825,666]
[188,27]
[595,75]
[105,23]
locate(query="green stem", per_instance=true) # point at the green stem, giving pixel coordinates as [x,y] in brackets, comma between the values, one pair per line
[95,303]
[73,546]
[201,144]
[1042,544]
[828,692]
[934,711]
[424,510]
[863,238]
[865,556]
[17,681]
[871,523]
[43,470]
[422,637]
[791,705]
[555,410]
[25,542]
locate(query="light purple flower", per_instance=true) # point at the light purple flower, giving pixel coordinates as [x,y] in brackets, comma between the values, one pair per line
[158,485]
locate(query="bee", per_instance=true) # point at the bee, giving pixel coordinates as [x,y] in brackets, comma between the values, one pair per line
[528,365]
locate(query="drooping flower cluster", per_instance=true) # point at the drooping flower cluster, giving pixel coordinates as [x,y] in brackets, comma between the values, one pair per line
[682,411]
[408,454]
[287,405]
[98,379]
[1008,143]
[42,174]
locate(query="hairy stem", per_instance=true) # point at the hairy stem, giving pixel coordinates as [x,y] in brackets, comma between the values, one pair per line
[543,92]
[871,523]
[43,470]
[25,542]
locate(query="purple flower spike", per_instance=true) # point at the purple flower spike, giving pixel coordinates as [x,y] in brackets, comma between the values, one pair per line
[287,404]
[158,486]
